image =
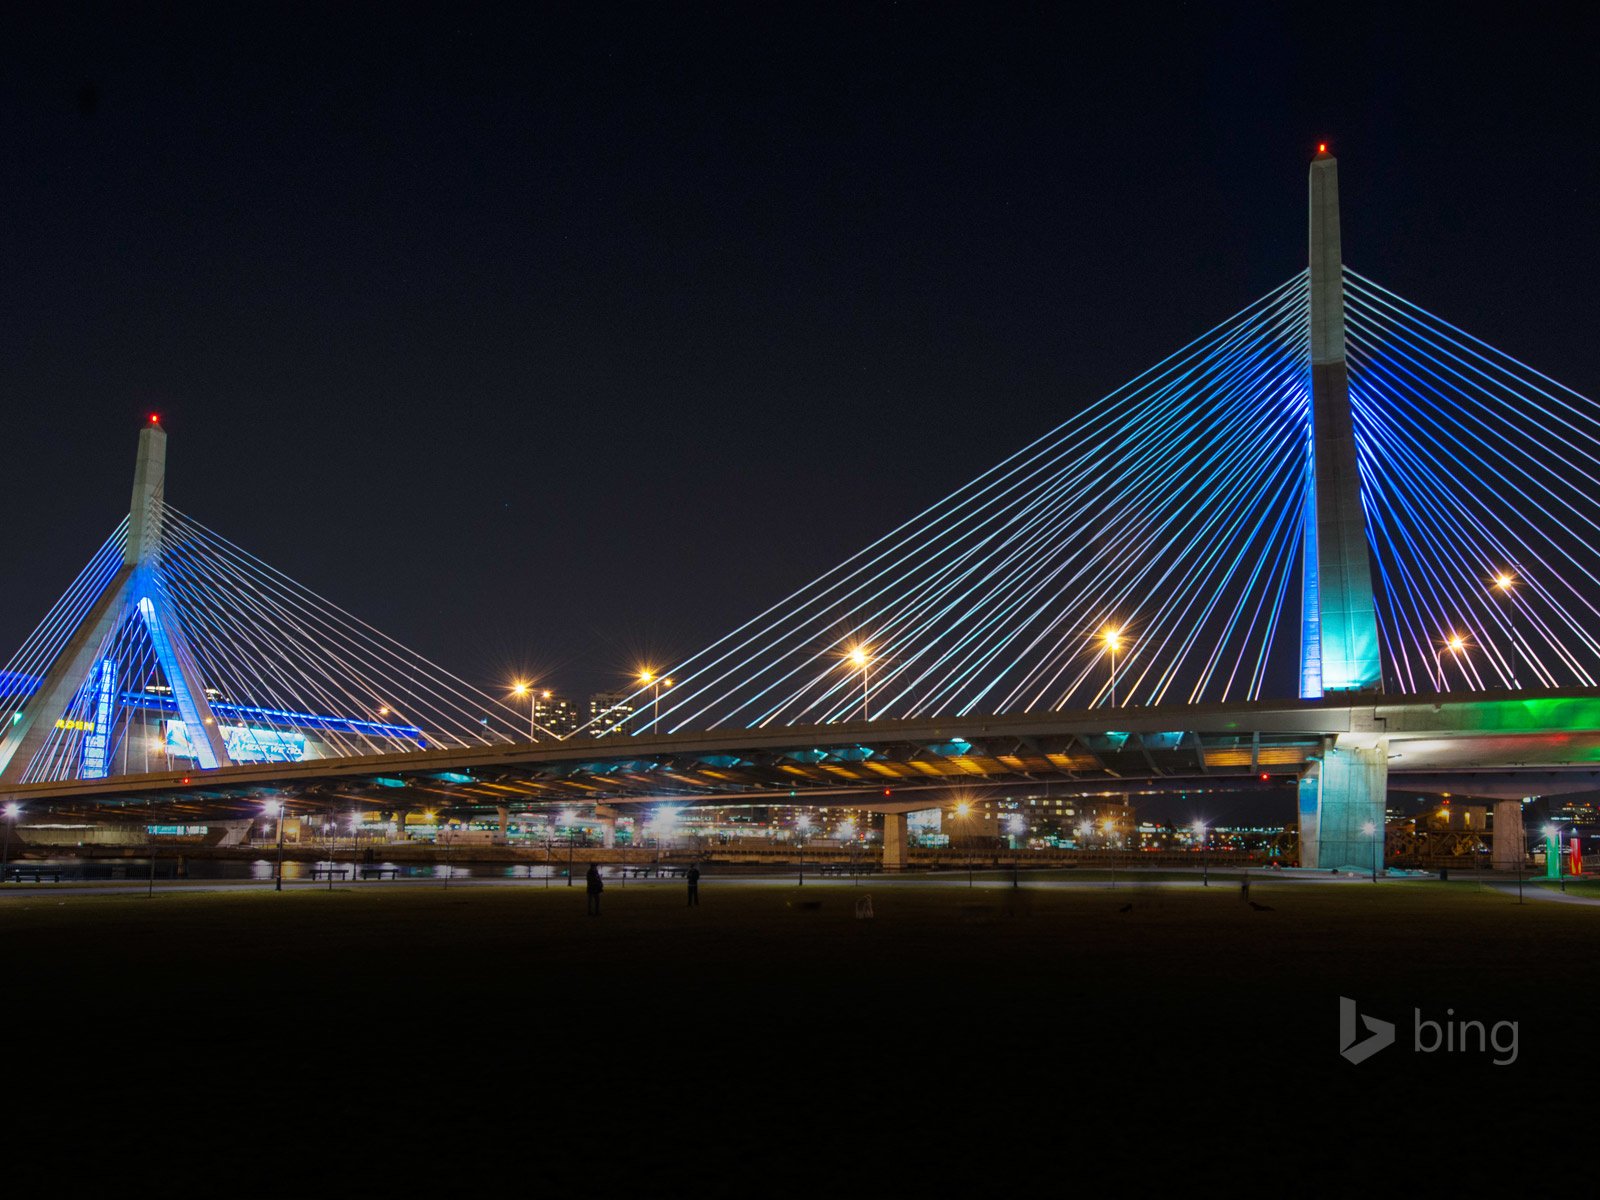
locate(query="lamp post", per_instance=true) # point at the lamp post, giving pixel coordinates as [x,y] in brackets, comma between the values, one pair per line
[1505,583]
[277,880]
[569,816]
[860,657]
[520,689]
[1113,638]
[12,811]
[1108,826]
[655,683]
[1019,827]
[1454,643]
[1205,862]
[355,845]
[1371,830]
[963,813]
[801,825]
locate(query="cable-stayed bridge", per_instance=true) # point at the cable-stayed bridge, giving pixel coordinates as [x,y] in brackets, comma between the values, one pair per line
[1334,538]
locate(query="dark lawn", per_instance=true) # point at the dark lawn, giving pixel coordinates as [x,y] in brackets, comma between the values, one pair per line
[1028,1012]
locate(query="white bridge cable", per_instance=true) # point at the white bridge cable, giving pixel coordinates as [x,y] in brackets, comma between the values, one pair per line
[897,662]
[826,597]
[1008,552]
[352,668]
[40,649]
[900,644]
[1476,465]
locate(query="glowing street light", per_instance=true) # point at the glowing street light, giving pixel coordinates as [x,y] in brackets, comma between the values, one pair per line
[802,826]
[1454,643]
[1506,584]
[13,811]
[1371,830]
[276,807]
[860,658]
[521,689]
[1113,640]
[655,683]
[1205,859]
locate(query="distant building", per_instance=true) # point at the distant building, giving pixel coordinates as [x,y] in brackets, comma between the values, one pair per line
[1083,821]
[609,712]
[556,713]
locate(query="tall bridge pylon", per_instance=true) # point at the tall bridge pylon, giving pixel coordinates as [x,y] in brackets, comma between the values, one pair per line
[1341,795]
[175,649]
[132,591]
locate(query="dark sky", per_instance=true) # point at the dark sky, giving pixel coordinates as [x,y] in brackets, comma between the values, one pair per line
[552,339]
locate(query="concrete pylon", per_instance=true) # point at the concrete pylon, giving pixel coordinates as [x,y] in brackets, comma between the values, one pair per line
[896,841]
[1510,846]
[1339,623]
[1342,800]
[136,584]
[1344,794]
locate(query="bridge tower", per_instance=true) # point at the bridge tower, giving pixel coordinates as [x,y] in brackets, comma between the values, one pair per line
[1343,795]
[135,586]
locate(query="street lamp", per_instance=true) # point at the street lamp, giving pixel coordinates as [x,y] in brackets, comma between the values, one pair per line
[1113,638]
[277,807]
[802,824]
[568,816]
[520,689]
[655,683]
[12,812]
[963,812]
[1205,861]
[1505,583]
[1371,830]
[1108,826]
[1454,643]
[860,657]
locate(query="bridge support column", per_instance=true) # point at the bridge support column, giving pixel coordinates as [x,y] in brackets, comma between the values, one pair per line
[1510,841]
[1351,789]
[608,832]
[398,816]
[1310,812]
[504,815]
[896,842]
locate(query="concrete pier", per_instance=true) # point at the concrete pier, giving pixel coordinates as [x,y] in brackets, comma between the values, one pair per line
[1510,840]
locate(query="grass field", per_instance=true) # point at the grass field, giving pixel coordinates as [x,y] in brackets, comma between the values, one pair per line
[1190,1003]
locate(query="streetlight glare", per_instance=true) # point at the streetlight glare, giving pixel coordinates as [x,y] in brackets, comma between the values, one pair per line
[647,677]
[858,657]
[1504,581]
[1113,638]
[12,811]
[1369,828]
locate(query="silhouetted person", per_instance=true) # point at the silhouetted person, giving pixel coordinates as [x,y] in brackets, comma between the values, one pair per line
[594,885]
[694,887]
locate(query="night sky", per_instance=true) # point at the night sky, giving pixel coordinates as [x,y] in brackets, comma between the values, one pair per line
[556,340]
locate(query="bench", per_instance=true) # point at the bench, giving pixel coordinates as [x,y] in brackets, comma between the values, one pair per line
[330,872]
[36,874]
[380,872]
